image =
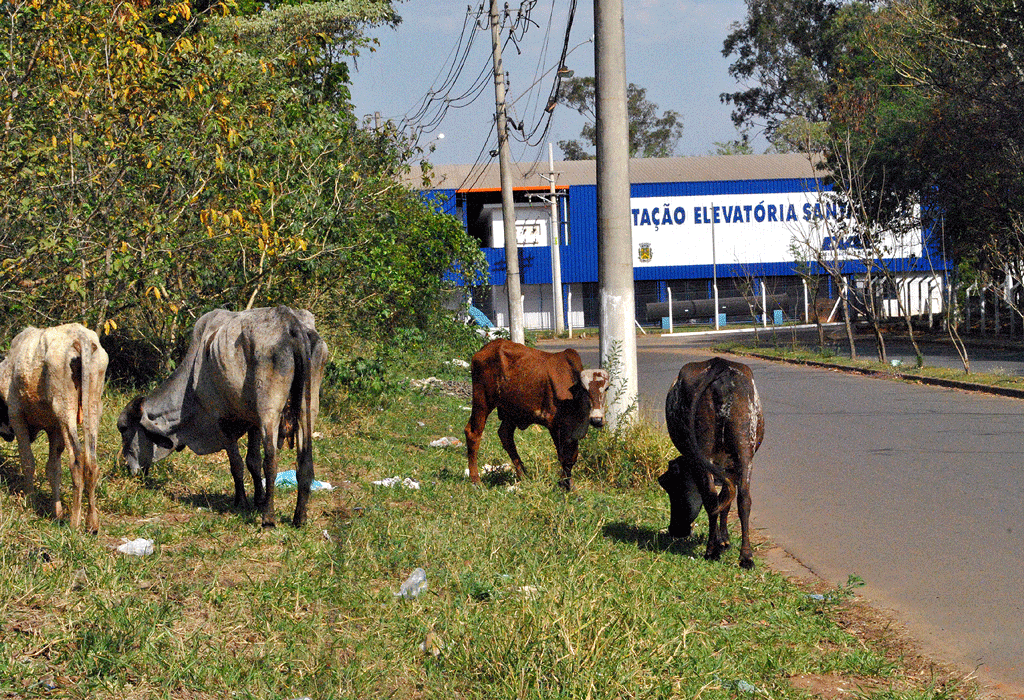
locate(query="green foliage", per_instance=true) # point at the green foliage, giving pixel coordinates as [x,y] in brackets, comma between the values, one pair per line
[650,135]
[157,163]
[962,57]
[632,455]
[787,51]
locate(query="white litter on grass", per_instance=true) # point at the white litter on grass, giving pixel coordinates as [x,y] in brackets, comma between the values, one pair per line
[393,481]
[493,469]
[446,442]
[287,479]
[428,383]
[139,547]
[458,363]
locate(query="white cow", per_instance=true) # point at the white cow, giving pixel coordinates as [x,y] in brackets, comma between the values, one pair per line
[52,381]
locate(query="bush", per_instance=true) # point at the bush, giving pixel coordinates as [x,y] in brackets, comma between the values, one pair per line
[632,455]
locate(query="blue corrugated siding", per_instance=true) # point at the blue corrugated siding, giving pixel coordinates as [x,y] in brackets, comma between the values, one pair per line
[442,200]
[579,259]
[680,189]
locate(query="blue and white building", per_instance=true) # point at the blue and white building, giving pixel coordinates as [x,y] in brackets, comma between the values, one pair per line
[751,222]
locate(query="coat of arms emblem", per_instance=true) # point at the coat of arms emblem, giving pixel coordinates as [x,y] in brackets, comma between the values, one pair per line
[645,252]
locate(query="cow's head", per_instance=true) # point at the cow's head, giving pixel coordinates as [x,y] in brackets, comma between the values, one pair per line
[140,447]
[595,381]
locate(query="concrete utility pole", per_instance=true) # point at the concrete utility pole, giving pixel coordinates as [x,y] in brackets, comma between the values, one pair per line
[615,243]
[508,208]
[555,241]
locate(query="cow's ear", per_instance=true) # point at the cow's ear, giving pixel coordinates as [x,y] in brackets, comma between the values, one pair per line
[159,440]
[565,383]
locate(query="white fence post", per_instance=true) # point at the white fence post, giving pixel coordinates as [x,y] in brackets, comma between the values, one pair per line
[669,289]
[568,313]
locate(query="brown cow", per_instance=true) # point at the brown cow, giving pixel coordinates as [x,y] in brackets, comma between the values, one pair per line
[52,381]
[715,420]
[529,387]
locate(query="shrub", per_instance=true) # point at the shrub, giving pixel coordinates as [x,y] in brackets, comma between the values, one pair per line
[632,455]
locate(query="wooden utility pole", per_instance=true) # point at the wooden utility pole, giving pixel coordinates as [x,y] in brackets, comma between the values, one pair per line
[508,208]
[615,241]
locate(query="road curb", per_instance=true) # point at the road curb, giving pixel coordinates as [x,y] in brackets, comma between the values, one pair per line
[882,374]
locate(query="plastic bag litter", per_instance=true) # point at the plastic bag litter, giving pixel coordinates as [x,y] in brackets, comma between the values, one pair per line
[139,547]
[414,585]
[446,442]
[289,479]
[393,481]
[494,469]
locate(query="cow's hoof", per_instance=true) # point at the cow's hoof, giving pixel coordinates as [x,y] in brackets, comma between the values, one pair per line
[269,525]
[746,562]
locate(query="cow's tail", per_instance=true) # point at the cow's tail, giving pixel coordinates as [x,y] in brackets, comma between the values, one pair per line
[88,405]
[718,368]
[302,392]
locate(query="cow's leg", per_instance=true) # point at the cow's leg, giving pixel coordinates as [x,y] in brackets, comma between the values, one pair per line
[568,452]
[705,483]
[743,506]
[304,477]
[28,460]
[91,472]
[238,475]
[83,475]
[254,463]
[474,432]
[53,474]
[506,431]
[269,440]
[744,457]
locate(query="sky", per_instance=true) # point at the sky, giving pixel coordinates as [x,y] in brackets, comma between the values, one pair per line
[673,49]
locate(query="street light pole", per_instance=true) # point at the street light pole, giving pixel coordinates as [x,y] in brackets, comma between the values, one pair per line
[555,240]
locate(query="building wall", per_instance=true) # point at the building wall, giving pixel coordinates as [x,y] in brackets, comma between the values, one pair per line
[755,228]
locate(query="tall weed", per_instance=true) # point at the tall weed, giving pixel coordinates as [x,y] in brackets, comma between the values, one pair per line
[632,455]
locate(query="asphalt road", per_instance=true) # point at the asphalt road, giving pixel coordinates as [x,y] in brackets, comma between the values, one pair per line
[918,490]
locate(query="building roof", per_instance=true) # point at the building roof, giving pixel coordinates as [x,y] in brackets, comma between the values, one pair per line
[535,175]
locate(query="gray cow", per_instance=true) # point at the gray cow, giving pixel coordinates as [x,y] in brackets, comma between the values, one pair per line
[254,372]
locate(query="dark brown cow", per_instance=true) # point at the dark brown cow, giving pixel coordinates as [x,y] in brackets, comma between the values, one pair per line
[530,387]
[715,420]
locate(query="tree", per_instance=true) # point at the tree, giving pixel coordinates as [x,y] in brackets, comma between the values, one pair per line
[650,135]
[155,164]
[786,53]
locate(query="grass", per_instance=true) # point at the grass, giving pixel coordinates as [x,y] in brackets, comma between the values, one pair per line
[532,593]
[791,351]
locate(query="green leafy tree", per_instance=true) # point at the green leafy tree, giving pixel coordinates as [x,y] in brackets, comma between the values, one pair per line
[158,162]
[650,135]
[963,56]
[785,53]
